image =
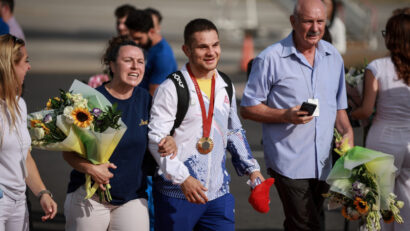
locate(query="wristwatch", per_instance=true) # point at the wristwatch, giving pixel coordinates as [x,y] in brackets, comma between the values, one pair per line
[45,191]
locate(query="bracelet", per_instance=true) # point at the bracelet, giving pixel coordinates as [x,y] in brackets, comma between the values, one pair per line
[45,191]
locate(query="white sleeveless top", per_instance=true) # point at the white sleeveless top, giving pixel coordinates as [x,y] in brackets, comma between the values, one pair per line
[13,153]
[393,96]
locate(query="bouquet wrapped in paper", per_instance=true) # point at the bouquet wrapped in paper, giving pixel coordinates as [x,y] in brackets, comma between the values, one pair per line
[362,182]
[354,89]
[81,120]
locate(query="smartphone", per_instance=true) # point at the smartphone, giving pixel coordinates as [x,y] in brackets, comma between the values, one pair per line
[309,107]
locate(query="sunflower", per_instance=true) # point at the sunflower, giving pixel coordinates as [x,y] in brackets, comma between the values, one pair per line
[82,117]
[37,124]
[361,205]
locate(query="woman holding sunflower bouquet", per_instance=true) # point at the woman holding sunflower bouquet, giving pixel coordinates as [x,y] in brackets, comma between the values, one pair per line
[128,208]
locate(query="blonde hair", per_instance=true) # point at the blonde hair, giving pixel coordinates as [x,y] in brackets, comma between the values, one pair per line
[10,88]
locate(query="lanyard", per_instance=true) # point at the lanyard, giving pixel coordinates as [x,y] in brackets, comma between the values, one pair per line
[206,120]
[311,89]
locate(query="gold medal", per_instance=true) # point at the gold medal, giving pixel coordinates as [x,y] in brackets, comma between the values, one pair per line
[205,145]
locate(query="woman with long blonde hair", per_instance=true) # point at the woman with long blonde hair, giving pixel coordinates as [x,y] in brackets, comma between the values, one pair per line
[17,167]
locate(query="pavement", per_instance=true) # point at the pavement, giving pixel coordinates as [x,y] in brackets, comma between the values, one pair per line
[66,39]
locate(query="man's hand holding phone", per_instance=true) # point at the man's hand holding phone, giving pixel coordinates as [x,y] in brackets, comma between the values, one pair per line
[296,116]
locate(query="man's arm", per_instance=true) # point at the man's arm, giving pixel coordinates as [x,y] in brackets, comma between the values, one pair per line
[238,146]
[152,88]
[163,113]
[264,114]
[256,93]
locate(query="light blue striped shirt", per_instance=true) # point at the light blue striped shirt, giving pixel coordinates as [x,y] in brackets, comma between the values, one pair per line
[281,78]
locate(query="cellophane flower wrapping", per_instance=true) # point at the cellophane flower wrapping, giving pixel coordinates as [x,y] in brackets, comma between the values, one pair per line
[362,183]
[81,120]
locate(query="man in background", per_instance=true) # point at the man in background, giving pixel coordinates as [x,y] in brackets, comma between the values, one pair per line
[6,12]
[121,14]
[156,19]
[160,58]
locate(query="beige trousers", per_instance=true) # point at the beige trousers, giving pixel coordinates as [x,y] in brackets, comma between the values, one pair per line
[90,214]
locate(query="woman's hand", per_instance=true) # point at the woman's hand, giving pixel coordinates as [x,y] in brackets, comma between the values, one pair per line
[49,207]
[101,173]
[167,146]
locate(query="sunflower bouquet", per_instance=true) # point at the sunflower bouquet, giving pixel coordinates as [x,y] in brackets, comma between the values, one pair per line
[81,120]
[361,183]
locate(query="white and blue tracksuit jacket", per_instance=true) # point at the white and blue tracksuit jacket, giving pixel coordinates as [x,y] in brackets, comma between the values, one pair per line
[226,132]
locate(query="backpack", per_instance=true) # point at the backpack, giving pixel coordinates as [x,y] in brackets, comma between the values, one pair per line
[149,164]
[183,95]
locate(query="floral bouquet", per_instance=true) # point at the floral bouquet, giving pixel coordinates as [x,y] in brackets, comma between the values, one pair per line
[81,120]
[354,89]
[361,182]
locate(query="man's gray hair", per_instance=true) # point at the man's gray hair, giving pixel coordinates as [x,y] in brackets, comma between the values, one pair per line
[296,9]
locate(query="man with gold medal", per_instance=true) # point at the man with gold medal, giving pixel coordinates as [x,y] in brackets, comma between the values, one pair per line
[195,181]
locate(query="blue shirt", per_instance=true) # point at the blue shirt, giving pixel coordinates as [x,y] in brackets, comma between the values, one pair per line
[4,28]
[282,78]
[160,63]
[129,182]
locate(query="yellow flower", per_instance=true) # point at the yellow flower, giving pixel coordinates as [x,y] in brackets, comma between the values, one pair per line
[361,205]
[39,124]
[48,105]
[82,117]
[34,122]
[56,98]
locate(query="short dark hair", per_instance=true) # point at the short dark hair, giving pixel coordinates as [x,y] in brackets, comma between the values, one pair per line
[196,25]
[155,12]
[10,3]
[124,10]
[139,20]
[114,45]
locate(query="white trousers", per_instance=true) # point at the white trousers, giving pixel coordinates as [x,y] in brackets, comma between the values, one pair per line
[13,214]
[90,214]
[394,139]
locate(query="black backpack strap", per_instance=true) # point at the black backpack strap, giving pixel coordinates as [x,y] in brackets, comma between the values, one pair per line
[229,88]
[183,98]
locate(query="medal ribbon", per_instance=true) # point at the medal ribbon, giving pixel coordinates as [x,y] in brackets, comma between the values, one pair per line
[206,120]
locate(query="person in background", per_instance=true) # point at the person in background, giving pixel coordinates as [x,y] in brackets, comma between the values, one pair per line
[121,14]
[156,19]
[4,28]
[160,59]
[300,68]
[17,166]
[128,209]
[191,191]
[7,9]
[388,80]
[336,26]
